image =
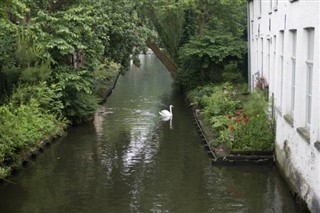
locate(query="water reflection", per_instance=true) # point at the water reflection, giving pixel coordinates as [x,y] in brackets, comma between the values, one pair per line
[169,119]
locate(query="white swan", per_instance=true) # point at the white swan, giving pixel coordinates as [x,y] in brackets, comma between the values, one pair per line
[166,113]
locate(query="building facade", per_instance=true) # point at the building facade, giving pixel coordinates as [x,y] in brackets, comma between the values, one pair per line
[284,45]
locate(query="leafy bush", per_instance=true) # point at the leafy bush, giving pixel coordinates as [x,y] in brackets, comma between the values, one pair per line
[232,74]
[224,100]
[202,59]
[47,96]
[78,98]
[22,127]
[198,94]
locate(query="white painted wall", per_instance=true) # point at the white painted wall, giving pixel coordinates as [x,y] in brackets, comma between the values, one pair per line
[297,157]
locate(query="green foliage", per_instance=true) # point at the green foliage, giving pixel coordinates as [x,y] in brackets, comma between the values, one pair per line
[208,56]
[221,25]
[22,127]
[198,94]
[9,76]
[105,75]
[13,9]
[65,32]
[49,97]
[8,72]
[77,93]
[217,48]
[169,20]
[224,100]
[35,74]
[8,32]
[232,74]
[30,59]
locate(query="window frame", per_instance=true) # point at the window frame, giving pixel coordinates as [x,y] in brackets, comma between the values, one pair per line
[293,36]
[310,38]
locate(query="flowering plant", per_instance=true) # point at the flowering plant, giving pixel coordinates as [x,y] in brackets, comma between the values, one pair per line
[239,118]
[236,121]
[250,128]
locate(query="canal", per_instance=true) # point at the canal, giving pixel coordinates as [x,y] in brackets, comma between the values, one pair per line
[129,160]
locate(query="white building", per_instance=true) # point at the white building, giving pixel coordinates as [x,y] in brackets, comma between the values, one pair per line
[284,44]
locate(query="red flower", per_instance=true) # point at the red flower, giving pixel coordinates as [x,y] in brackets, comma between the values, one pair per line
[238,119]
[237,114]
[246,120]
[229,116]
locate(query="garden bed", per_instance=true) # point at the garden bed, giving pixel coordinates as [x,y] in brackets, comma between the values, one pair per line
[221,155]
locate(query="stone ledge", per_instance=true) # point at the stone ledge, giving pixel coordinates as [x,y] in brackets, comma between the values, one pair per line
[289,119]
[317,145]
[304,133]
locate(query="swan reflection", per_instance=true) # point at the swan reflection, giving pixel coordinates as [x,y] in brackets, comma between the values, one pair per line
[167,119]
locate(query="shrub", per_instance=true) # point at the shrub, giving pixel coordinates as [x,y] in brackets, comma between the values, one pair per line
[224,100]
[47,96]
[22,127]
[78,98]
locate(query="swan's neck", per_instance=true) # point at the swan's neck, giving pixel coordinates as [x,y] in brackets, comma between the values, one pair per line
[171,109]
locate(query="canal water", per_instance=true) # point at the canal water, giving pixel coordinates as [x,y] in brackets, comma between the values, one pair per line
[129,160]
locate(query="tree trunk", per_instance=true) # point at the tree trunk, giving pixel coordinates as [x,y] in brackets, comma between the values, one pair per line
[162,57]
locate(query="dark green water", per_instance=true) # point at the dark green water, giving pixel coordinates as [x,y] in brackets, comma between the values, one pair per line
[129,160]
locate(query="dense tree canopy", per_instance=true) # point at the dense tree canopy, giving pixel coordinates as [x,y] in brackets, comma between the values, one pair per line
[198,36]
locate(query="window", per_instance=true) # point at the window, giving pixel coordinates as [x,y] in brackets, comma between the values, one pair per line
[260,7]
[257,55]
[269,58]
[309,74]
[261,57]
[281,64]
[274,42]
[252,9]
[276,4]
[293,35]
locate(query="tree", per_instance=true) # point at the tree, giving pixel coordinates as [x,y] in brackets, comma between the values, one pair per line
[221,26]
